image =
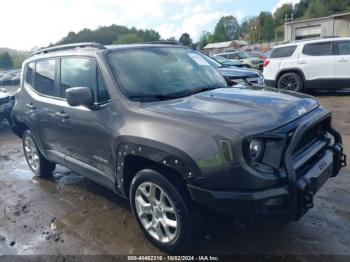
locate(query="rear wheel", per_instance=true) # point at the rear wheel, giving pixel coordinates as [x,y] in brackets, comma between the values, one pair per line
[162,212]
[290,81]
[36,161]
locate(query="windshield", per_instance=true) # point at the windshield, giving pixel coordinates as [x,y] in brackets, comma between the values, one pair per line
[163,72]
[242,55]
[212,61]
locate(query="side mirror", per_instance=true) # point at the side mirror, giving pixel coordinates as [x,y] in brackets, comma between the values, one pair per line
[80,96]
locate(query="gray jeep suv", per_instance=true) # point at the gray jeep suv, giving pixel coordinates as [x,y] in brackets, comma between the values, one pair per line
[160,126]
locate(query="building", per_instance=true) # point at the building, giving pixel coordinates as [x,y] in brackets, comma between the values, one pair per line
[335,25]
[215,48]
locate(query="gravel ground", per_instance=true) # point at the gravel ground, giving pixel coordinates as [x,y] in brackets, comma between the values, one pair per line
[70,215]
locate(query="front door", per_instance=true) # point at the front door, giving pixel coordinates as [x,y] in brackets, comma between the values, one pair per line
[85,133]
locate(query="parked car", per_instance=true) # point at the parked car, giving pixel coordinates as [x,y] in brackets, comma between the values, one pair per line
[236,76]
[251,62]
[5,105]
[257,54]
[16,79]
[6,79]
[159,126]
[228,62]
[310,65]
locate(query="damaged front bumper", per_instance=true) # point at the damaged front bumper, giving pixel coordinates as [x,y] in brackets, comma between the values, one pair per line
[292,199]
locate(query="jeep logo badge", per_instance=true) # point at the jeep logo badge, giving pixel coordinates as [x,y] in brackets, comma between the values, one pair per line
[322,165]
[301,111]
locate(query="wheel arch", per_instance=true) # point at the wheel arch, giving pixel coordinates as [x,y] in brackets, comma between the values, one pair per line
[134,154]
[290,70]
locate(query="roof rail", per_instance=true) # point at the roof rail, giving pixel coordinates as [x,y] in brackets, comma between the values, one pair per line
[68,46]
[164,42]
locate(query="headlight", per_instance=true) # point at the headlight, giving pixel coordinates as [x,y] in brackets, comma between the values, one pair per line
[239,81]
[256,149]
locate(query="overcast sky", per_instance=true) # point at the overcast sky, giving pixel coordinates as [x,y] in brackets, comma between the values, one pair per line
[36,23]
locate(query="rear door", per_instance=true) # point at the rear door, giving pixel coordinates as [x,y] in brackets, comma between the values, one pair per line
[342,63]
[318,64]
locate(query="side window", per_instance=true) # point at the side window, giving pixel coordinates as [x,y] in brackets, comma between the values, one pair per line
[318,49]
[77,72]
[281,52]
[29,74]
[342,48]
[102,95]
[45,77]
[82,72]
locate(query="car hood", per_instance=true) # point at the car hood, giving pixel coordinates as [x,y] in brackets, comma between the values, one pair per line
[234,73]
[247,111]
[4,97]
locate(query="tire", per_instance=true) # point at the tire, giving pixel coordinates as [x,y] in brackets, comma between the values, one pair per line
[40,166]
[169,239]
[291,82]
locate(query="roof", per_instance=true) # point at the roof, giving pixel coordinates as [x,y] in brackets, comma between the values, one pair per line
[225,44]
[319,18]
[317,40]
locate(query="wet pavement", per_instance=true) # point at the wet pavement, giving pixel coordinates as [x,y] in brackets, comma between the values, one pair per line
[70,215]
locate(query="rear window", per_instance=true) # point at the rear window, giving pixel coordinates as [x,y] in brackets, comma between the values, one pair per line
[318,49]
[281,52]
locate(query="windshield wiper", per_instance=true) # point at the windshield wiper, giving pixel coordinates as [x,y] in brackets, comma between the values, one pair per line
[153,97]
[173,95]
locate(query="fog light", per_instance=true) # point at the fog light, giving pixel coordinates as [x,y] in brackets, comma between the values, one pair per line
[275,202]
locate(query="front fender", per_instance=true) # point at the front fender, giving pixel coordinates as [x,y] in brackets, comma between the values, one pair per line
[155,151]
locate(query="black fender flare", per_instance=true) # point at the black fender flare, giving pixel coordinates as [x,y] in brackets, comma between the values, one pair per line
[163,154]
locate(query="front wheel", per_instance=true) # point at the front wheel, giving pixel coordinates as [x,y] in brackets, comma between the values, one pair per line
[291,82]
[36,161]
[162,212]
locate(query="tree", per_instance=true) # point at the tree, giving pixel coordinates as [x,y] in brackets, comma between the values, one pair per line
[300,8]
[281,13]
[266,26]
[185,39]
[129,38]
[6,61]
[317,9]
[204,39]
[226,29]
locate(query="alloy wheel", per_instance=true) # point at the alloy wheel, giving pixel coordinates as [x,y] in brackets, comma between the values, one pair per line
[156,212]
[289,83]
[31,153]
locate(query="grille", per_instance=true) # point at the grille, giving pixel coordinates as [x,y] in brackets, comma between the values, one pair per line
[311,135]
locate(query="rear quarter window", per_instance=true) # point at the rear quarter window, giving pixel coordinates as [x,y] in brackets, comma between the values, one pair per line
[281,52]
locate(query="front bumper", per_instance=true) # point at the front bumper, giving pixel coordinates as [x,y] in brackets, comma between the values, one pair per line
[5,110]
[294,196]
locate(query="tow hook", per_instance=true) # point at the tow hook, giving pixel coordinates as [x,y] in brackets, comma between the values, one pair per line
[306,194]
[309,199]
[342,159]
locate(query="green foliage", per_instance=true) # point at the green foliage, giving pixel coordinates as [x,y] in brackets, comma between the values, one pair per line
[185,39]
[226,29]
[129,38]
[5,61]
[107,35]
[265,26]
[204,39]
[281,13]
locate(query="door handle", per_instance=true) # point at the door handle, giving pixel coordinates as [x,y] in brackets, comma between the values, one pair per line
[302,62]
[343,60]
[31,106]
[62,114]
